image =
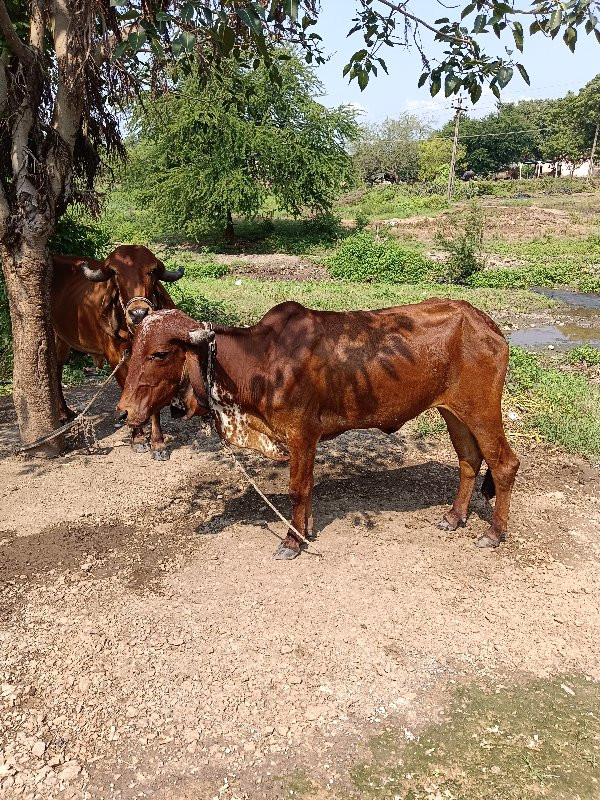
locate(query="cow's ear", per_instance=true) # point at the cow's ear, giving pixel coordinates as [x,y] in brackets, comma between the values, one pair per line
[200,335]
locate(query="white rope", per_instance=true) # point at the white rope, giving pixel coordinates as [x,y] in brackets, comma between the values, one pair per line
[80,418]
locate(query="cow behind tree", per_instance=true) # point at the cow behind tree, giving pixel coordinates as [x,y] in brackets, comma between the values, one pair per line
[301,376]
[96,306]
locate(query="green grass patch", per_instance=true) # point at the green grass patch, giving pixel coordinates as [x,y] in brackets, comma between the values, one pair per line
[538,739]
[549,262]
[246,303]
[383,202]
[563,408]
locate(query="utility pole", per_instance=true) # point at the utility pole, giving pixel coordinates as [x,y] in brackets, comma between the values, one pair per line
[594,149]
[458,107]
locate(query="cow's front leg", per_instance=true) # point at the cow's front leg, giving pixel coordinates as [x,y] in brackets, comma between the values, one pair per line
[139,442]
[160,451]
[302,463]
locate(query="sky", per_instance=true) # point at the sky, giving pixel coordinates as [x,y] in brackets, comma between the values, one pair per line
[552,68]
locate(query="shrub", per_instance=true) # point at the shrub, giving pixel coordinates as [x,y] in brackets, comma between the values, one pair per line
[586,354]
[366,257]
[361,220]
[464,248]
[74,237]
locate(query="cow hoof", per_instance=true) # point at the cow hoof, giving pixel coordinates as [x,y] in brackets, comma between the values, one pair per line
[140,447]
[161,455]
[285,553]
[445,524]
[488,541]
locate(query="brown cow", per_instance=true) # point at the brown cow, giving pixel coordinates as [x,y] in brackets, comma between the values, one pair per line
[95,308]
[301,376]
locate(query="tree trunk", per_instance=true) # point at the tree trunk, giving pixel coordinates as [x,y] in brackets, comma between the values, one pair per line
[28,273]
[229,231]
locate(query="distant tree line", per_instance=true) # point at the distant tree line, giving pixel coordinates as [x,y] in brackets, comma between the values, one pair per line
[406,149]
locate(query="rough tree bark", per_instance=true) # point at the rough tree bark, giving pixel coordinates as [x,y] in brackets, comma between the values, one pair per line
[41,183]
[35,375]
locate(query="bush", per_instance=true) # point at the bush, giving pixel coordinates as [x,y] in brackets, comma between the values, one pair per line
[204,267]
[366,257]
[586,354]
[74,237]
[464,248]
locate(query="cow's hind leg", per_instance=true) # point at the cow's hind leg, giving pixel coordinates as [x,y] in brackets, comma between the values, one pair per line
[503,465]
[469,459]
[302,463]
[159,449]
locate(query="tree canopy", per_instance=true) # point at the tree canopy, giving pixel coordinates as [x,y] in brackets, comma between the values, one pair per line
[390,148]
[200,160]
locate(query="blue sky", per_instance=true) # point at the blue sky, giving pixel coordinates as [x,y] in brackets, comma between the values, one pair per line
[552,68]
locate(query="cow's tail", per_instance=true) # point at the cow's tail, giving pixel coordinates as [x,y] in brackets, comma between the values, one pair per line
[488,488]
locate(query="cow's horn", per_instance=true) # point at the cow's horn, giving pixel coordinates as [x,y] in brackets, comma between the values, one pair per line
[200,335]
[171,275]
[95,275]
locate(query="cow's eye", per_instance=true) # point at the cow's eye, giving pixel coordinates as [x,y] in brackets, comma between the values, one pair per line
[159,356]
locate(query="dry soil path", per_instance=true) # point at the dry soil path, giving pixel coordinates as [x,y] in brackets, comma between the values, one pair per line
[150,646]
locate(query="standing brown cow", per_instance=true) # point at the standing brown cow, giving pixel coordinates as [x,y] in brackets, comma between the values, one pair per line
[301,376]
[96,306]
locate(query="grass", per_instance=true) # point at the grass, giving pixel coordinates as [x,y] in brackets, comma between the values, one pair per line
[246,303]
[538,739]
[563,408]
[548,262]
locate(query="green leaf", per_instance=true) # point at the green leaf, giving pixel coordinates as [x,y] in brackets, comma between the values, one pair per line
[570,38]
[555,20]
[363,79]
[422,79]
[250,19]
[451,84]
[495,89]
[524,73]
[119,50]
[479,24]
[518,35]
[467,10]
[436,85]
[504,76]
[290,9]
[475,92]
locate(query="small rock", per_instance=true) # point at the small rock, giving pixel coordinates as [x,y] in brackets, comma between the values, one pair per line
[249,747]
[71,770]
[39,748]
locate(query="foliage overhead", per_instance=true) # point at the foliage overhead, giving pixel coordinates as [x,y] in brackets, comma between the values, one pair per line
[199,160]
[464,64]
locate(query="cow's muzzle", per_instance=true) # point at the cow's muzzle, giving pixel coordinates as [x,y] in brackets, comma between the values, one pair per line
[136,315]
[120,416]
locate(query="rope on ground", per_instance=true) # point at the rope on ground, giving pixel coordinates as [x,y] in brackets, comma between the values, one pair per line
[81,420]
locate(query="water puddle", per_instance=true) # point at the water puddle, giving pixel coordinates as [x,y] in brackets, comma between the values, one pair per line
[578,299]
[564,337]
[584,307]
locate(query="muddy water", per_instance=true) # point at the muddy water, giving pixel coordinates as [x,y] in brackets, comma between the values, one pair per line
[581,313]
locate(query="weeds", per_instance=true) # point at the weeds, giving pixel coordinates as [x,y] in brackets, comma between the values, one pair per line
[464,248]
[586,354]
[366,257]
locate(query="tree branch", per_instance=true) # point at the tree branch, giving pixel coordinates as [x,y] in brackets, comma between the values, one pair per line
[12,38]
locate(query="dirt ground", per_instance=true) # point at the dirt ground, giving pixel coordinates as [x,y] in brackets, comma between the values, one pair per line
[151,646]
